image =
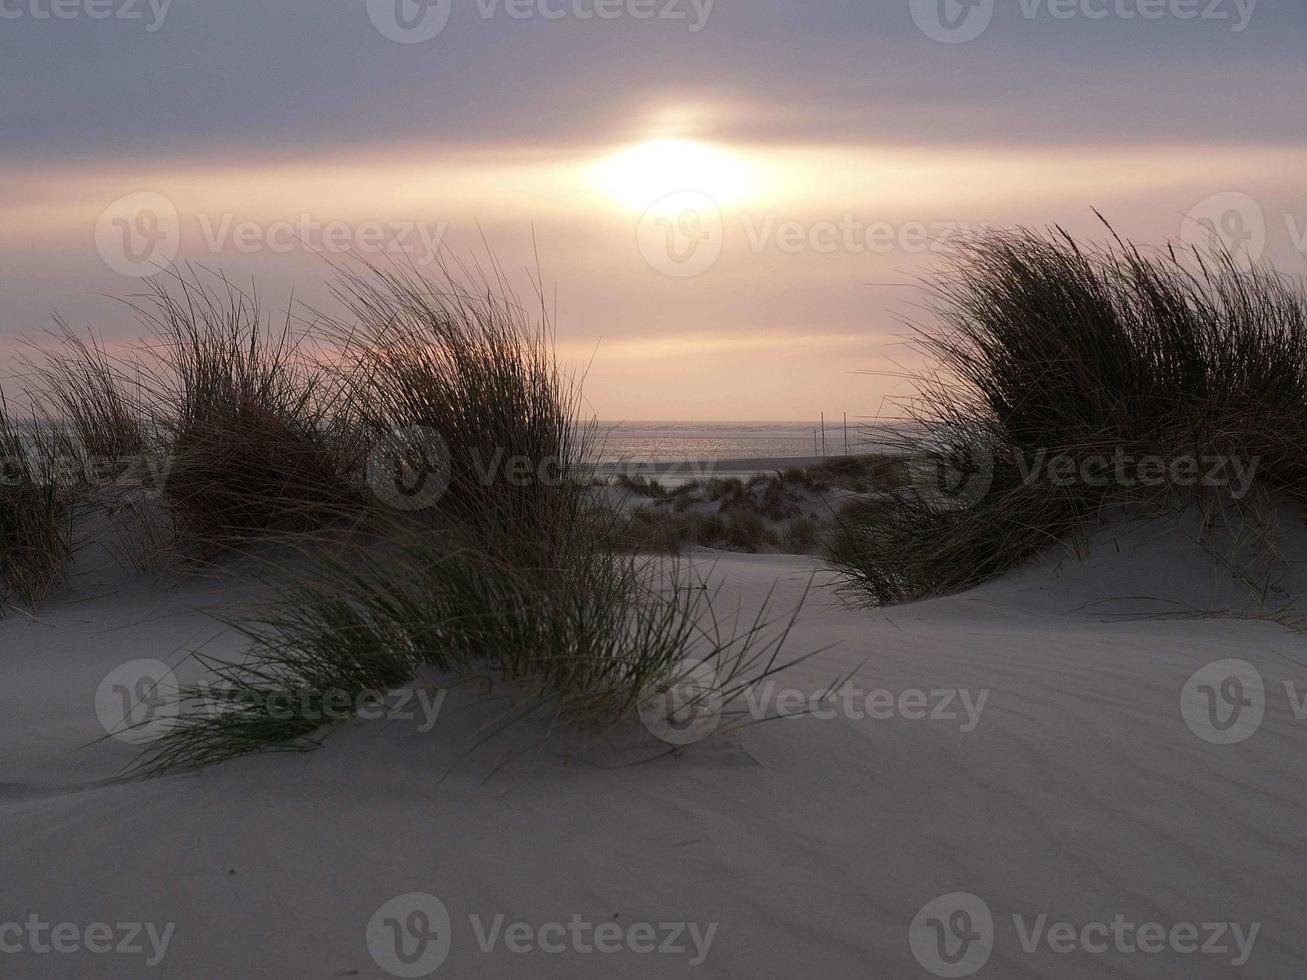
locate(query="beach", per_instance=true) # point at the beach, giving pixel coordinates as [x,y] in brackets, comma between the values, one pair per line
[653,489]
[1023,743]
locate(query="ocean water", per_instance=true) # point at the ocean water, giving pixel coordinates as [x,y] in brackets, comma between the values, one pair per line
[668,442]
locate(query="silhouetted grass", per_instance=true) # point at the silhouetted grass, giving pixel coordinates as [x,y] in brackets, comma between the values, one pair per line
[505,574]
[93,395]
[1046,349]
[583,640]
[249,421]
[449,375]
[35,511]
[641,485]
[583,637]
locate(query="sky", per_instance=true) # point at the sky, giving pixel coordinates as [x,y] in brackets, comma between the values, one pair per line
[733,207]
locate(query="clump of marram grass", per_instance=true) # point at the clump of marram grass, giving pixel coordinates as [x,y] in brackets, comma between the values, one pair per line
[654,531]
[642,486]
[860,474]
[790,511]
[583,640]
[802,535]
[93,395]
[35,511]
[1048,350]
[583,636]
[663,531]
[452,366]
[254,438]
[505,579]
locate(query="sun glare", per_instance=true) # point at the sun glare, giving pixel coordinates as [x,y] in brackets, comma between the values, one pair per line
[641,176]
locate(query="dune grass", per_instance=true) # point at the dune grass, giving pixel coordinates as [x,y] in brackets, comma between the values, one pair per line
[581,641]
[641,486]
[506,575]
[661,531]
[248,419]
[1046,350]
[451,376]
[93,395]
[764,513]
[36,502]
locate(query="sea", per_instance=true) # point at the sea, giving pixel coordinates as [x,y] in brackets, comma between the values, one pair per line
[672,442]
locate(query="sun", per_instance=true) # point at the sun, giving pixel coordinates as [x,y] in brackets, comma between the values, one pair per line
[641,176]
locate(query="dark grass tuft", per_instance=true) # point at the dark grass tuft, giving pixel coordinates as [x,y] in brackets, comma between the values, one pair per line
[97,398]
[36,505]
[511,576]
[457,356]
[251,425]
[1045,346]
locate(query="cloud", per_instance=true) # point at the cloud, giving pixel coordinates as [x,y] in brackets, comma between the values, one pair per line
[245,79]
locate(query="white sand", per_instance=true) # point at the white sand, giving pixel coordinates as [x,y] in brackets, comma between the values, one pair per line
[1081,794]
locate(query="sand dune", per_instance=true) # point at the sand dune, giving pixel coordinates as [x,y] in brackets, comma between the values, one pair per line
[1078,791]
